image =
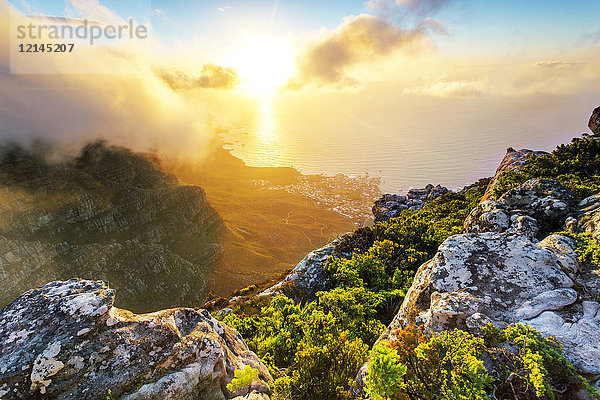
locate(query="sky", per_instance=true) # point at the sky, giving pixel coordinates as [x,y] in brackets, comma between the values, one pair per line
[204,61]
[508,27]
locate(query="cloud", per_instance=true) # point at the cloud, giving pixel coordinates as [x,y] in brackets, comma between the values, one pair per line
[361,39]
[128,104]
[223,9]
[211,76]
[454,89]
[444,76]
[558,64]
[162,14]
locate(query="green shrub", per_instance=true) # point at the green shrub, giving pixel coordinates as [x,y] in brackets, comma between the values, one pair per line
[242,378]
[444,366]
[576,165]
[385,373]
[450,365]
[326,365]
[536,366]
[509,180]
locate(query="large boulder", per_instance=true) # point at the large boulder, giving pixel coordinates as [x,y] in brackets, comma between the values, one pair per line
[66,340]
[594,123]
[308,277]
[504,278]
[535,208]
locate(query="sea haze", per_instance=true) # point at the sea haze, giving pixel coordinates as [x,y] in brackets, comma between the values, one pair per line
[406,140]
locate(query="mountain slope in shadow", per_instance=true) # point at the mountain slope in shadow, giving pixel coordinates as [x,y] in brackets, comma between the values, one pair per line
[107,214]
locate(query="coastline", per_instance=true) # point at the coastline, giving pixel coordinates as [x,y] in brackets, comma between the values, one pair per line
[268,228]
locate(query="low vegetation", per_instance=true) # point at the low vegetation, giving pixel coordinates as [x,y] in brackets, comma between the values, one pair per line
[243,378]
[513,363]
[576,165]
[315,348]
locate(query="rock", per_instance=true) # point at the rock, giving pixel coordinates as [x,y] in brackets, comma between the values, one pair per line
[390,205]
[580,337]
[546,204]
[108,214]
[505,278]
[488,216]
[562,247]
[253,396]
[589,215]
[66,340]
[307,278]
[525,225]
[594,123]
[512,161]
[549,300]
[571,224]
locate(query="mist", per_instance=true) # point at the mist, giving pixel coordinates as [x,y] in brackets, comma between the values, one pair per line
[134,104]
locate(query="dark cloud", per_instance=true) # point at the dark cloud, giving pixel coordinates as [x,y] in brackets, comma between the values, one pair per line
[398,25]
[357,40]
[211,76]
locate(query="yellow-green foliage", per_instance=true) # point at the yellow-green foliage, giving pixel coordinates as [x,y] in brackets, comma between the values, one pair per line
[450,365]
[326,364]
[385,373]
[242,378]
[588,249]
[575,165]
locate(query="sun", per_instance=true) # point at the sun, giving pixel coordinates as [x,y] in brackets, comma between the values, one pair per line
[263,63]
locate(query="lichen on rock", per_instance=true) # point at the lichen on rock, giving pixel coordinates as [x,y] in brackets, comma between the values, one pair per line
[66,340]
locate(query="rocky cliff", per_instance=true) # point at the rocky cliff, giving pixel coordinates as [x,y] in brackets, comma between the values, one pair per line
[516,261]
[66,340]
[508,268]
[106,214]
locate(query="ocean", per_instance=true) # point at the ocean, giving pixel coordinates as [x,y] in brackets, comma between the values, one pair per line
[407,141]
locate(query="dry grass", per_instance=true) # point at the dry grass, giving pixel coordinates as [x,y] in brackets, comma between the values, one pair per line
[268,231]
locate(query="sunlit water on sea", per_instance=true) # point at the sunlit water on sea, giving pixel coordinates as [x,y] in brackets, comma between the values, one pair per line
[408,141]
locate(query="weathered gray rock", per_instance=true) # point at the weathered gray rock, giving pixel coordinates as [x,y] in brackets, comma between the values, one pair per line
[550,300]
[308,277]
[579,336]
[488,216]
[109,214]
[546,203]
[594,123]
[66,340]
[512,161]
[505,278]
[589,215]
[390,205]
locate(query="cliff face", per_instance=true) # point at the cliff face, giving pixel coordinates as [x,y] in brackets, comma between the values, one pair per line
[508,268]
[108,214]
